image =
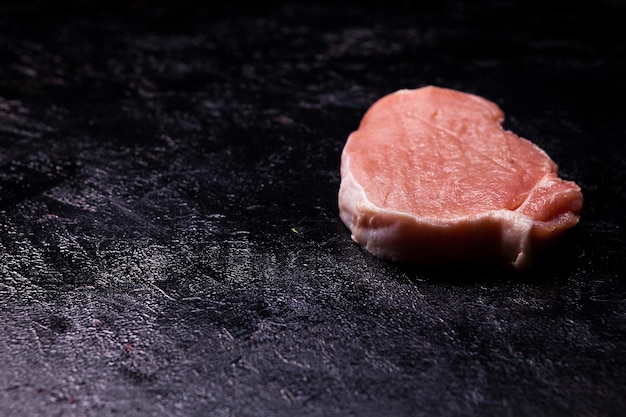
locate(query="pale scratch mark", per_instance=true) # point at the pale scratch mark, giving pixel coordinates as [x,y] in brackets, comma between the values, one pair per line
[166,295]
[301,365]
[287,395]
[37,341]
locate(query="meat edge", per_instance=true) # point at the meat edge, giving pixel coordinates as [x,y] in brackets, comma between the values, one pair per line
[499,236]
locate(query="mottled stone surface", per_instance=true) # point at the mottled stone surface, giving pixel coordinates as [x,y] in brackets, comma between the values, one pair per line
[169,235]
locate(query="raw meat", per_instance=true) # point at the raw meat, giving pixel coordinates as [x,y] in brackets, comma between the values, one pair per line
[430,177]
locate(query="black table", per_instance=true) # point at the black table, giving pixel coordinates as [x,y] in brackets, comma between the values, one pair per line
[170,241]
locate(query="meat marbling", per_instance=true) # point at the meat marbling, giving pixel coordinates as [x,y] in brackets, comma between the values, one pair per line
[430,177]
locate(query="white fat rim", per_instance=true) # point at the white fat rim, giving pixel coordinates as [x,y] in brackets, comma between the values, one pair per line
[353,201]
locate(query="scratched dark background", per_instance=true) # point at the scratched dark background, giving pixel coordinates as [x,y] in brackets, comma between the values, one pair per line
[169,234]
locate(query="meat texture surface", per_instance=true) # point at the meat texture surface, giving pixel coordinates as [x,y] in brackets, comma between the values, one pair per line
[430,177]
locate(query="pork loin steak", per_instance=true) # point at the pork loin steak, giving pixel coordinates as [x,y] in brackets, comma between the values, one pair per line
[430,177]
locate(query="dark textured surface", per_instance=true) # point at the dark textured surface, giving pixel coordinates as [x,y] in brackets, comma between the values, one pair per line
[169,237]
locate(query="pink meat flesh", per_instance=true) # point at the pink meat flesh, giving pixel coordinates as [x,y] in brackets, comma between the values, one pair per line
[431,177]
